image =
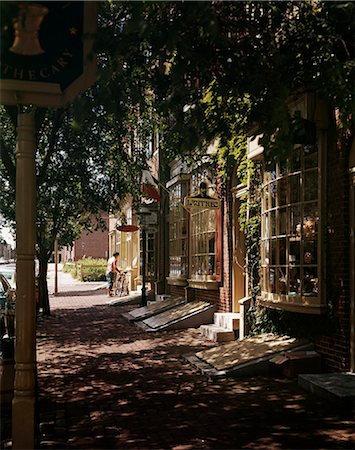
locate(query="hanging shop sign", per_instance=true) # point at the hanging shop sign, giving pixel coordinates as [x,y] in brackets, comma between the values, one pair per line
[202,203]
[46,51]
[127,228]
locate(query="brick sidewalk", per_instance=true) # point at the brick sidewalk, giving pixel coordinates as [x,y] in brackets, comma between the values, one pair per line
[104,383]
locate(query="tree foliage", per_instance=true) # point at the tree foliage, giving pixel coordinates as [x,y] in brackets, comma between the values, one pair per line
[261,50]
[197,70]
[80,171]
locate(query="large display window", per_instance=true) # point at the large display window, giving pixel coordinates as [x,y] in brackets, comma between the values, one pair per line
[290,244]
[178,232]
[203,244]
[205,247]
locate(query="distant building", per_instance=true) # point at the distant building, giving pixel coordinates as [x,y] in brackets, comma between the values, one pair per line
[6,251]
[91,244]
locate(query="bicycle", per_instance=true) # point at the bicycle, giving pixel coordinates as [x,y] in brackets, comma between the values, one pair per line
[120,286]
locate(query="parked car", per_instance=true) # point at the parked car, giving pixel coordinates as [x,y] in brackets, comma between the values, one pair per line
[9,272]
[7,308]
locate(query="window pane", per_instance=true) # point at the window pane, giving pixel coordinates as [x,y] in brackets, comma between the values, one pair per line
[211,264]
[282,191]
[267,198]
[272,284]
[273,252]
[282,251]
[310,156]
[310,252]
[295,161]
[267,231]
[295,221]
[310,281]
[282,220]
[272,223]
[273,192]
[294,256]
[310,220]
[295,281]
[294,188]
[310,185]
[282,281]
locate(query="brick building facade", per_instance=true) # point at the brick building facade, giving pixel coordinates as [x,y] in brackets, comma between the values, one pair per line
[306,242]
[91,244]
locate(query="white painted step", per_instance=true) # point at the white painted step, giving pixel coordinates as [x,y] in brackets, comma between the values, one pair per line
[216,333]
[228,321]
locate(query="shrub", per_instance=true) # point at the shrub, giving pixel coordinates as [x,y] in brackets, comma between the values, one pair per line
[90,269]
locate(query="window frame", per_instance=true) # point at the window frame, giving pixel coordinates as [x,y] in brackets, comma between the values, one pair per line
[205,281]
[302,301]
[175,228]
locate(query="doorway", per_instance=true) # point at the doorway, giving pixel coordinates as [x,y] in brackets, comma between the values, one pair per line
[352,255]
[239,278]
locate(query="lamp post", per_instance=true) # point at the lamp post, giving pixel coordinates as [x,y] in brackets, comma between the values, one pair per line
[144,213]
[144,266]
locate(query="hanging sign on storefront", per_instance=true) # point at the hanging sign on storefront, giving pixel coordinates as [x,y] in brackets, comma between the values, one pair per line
[202,202]
[46,51]
[127,228]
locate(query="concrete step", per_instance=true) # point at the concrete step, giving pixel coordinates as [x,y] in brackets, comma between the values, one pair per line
[216,333]
[162,297]
[229,321]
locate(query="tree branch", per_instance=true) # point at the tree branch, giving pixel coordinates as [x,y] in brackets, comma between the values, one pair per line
[8,163]
[58,119]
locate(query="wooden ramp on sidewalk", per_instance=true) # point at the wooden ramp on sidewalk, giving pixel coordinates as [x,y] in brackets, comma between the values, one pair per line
[250,356]
[186,315]
[154,308]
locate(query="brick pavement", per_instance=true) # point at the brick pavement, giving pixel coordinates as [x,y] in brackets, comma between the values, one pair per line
[105,383]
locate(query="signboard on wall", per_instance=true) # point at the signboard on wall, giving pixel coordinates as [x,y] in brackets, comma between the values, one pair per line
[46,51]
[202,203]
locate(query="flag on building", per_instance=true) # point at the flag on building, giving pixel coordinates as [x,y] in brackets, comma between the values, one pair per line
[150,186]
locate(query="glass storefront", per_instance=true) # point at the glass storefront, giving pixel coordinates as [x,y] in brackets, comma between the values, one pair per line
[178,231]
[290,229]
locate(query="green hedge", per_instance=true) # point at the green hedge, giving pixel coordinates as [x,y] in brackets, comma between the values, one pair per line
[88,269]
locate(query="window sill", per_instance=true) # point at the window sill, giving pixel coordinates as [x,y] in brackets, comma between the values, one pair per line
[176,281]
[204,284]
[298,304]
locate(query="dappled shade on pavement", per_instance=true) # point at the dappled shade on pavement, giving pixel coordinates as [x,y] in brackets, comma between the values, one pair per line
[121,387]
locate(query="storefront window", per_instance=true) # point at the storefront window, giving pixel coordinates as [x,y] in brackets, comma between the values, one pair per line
[203,233]
[290,231]
[178,231]
[203,244]
[150,255]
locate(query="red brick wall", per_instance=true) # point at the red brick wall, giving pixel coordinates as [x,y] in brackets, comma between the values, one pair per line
[206,295]
[176,291]
[94,245]
[335,346]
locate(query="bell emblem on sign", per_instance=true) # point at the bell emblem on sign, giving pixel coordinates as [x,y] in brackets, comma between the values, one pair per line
[27,25]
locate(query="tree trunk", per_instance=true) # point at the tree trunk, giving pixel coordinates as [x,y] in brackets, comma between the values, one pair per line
[43,286]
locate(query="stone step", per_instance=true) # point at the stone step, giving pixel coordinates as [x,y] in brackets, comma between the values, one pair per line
[229,321]
[162,297]
[216,333]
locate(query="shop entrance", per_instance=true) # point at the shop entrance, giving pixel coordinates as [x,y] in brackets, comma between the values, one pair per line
[239,255]
[352,256]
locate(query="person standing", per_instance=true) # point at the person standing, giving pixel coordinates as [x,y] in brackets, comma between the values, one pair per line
[111,271]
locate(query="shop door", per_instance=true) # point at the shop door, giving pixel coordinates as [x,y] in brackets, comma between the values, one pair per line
[352,257]
[238,264]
